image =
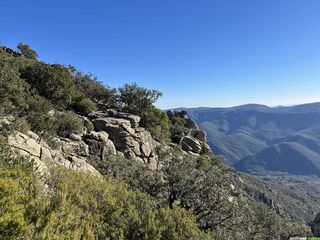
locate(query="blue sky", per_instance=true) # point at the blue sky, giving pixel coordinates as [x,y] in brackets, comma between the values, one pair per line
[197,52]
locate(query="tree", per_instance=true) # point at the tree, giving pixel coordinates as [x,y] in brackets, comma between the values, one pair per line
[51,82]
[101,94]
[157,123]
[137,100]
[13,90]
[203,186]
[28,52]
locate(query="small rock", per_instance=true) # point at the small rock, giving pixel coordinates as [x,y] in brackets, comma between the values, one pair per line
[99,136]
[75,137]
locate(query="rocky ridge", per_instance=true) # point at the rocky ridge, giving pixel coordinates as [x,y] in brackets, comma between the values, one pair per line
[114,134]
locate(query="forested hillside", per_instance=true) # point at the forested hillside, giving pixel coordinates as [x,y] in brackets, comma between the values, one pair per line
[261,140]
[81,160]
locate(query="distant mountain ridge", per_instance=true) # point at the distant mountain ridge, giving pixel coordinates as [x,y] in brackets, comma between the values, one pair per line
[259,139]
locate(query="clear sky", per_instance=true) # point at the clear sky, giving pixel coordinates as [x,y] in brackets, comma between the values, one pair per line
[197,52]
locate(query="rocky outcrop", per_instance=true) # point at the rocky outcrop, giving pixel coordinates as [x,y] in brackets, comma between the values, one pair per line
[70,154]
[114,134]
[10,51]
[195,141]
[192,144]
[25,144]
[127,136]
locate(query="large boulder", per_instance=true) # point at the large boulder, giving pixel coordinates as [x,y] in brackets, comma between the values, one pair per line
[24,143]
[46,155]
[98,136]
[134,120]
[147,143]
[73,162]
[99,143]
[80,164]
[191,144]
[128,145]
[75,148]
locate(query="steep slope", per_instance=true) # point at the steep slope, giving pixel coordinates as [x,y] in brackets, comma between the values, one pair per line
[95,163]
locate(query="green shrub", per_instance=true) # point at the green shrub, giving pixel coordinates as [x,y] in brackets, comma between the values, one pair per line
[178,129]
[39,118]
[18,193]
[84,106]
[13,90]
[89,126]
[157,122]
[137,100]
[52,82]
[87,207]
[68,123]
[27,52]
[81,206]
[95,90]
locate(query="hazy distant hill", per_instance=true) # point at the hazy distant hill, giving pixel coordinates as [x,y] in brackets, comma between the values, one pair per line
[258,139]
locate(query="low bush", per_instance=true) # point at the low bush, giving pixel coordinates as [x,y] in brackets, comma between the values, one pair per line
[68,123]
[84,106]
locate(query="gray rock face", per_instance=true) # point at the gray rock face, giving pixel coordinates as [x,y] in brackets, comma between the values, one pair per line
[147,143]
[46,155]
[191,144]
[75,148]
[102,124]
[23,142]
[125,133]
[71,154]
[99,136]
[134,120]
[75,137]
[115,133]
[196,140]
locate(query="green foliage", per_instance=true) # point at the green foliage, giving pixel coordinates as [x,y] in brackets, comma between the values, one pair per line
[86,206]
[157,122]
[17,188]
[52,82]
[68,123]
[95,90]
[38,116]
[137,100]
[178,129]
[179,224]
[13,90]
[84,106]
[203,187]
[88,125]
[81,206]
[27,52]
